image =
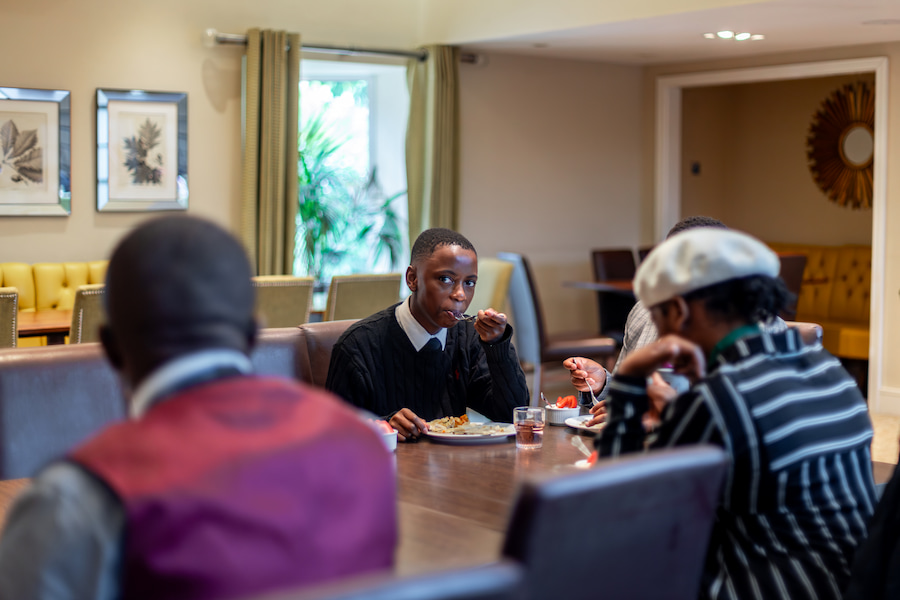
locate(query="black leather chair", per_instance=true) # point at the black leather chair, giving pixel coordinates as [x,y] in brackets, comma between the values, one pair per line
[636,527]
[613,264]
[499,581]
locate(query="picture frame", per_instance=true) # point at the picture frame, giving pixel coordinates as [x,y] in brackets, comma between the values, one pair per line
[141,151]
[35,152]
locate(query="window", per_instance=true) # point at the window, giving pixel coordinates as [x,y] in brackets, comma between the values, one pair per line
[352,215]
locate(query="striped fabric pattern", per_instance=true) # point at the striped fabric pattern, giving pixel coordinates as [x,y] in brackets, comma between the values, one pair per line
[799,493]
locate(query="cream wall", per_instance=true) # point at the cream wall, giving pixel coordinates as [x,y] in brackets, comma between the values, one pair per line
[707,134]
[89,44]
[889,387]
[750,142]
[550,161]
[550,165]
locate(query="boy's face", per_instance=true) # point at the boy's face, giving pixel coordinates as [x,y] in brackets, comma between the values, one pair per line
[442,286]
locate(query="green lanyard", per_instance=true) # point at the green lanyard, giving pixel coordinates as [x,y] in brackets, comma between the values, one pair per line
[731,338]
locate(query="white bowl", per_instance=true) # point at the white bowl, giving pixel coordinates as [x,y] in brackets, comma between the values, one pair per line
[558,416]
[390,440]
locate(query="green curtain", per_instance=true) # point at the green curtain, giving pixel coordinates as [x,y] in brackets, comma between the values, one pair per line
[432,141]
[269,177]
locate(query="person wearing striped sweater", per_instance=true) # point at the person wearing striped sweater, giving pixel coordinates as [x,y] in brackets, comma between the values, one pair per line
[799,492]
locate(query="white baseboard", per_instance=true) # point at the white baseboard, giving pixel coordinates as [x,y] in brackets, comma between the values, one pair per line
[887,401]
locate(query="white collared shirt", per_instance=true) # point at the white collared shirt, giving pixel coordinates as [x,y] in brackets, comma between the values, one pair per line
[168,376]
[414,330]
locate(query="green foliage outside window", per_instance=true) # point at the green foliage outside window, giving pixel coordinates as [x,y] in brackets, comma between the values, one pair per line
[345,222]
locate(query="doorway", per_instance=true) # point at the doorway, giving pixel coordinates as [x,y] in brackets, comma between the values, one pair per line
[667,205]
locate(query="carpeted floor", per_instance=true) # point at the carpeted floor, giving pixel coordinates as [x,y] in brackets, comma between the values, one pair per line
[885,446]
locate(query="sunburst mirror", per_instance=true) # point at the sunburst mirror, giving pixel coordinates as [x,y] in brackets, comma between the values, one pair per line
[841,144]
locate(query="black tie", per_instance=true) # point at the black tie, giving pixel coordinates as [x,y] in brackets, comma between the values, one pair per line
[433,345]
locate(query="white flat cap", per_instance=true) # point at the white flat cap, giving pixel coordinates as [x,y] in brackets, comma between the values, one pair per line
[698,258]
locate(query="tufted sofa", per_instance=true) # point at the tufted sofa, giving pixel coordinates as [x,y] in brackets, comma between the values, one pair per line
[835,294]
[48,286]
[53,397]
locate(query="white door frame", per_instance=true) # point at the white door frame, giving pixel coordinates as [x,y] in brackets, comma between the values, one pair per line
[668,170]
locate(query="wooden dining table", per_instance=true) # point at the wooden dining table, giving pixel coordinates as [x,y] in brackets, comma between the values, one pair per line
[454,501]
[54,324]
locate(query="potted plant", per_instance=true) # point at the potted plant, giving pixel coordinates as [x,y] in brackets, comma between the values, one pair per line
[344,220]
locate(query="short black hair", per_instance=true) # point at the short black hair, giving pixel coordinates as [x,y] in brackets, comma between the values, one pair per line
[177,284]
[753,299]
[693,222]
[432,239]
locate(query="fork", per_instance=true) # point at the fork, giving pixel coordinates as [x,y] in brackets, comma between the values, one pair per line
[580,445]
[471,318]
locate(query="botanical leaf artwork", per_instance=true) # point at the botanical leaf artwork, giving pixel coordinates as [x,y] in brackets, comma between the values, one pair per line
[142,161]
[20,155]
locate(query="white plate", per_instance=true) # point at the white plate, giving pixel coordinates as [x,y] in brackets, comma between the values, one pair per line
[462,439]
[579,423]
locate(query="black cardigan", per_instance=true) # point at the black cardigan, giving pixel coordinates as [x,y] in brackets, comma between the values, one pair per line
[375,366]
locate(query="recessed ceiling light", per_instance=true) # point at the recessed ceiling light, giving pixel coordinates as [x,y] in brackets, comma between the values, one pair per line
[727,34]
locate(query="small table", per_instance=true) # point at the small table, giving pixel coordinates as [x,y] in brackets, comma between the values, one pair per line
[624,287]
[615,299]
[54,324]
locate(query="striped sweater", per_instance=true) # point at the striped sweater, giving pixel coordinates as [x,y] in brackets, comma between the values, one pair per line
[799,493]
[375,366]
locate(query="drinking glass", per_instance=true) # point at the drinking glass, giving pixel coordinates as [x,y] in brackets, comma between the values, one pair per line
[529,422]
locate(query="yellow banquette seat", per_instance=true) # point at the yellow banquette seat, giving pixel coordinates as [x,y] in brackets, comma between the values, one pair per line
[50,286]
[835,294]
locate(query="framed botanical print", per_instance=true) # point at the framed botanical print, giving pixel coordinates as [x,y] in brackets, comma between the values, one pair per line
[141,150]
[34,152]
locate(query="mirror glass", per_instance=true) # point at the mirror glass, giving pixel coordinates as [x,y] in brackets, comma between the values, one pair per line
[857,146]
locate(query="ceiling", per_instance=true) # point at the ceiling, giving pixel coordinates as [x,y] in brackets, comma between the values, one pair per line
[788,25]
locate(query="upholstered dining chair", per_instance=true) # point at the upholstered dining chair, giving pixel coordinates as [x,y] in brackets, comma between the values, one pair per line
[643,251]
[358,296]
[532,343]
[493,285]
[283,300]
[635,527]
[792,267]
[9,309]
[613,264]
[87,314]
